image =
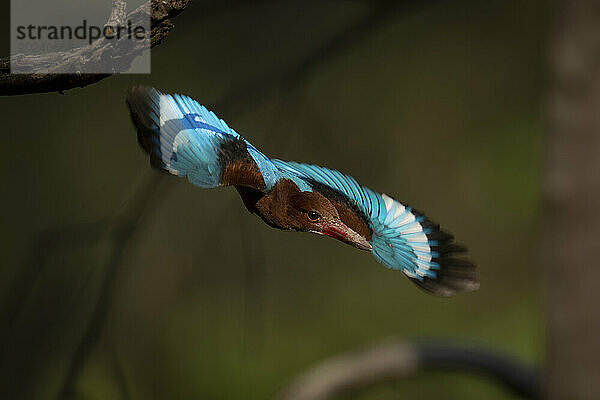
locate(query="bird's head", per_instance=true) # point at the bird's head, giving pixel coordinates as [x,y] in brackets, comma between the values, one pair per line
[313,212]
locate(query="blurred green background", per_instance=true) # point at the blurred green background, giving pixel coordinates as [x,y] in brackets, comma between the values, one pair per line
[435,103]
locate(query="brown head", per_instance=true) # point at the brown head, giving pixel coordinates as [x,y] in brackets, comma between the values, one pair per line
[286,207]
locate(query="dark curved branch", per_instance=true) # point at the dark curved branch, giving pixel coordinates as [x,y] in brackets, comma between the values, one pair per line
[508,372]
[351,373]
[82,58]
[378,16]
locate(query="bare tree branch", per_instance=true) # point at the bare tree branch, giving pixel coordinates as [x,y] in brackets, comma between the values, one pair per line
[356,372]
[352,372]
[118,13]
[100,52]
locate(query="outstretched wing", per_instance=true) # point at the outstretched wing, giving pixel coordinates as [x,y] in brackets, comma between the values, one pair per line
[402,238]
[185,139]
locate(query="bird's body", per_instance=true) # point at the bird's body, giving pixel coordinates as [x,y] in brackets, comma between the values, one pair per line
[185,139]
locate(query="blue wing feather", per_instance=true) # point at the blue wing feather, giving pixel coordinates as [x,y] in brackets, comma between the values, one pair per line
[391,246]
[186,137]
[402,238]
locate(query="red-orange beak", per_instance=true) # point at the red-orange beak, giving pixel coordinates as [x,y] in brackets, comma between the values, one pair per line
[338,230]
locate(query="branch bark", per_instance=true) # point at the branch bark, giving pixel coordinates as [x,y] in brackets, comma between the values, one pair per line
[161,14]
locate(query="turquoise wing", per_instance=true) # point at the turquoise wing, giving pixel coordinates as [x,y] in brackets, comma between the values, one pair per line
[402,238]
[187,140]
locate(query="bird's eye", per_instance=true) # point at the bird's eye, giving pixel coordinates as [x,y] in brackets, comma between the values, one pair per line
[313,215]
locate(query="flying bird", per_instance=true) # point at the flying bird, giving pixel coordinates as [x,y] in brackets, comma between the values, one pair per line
[185,139]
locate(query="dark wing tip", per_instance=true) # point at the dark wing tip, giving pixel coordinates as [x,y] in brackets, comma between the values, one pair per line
[456,273]
[141,101]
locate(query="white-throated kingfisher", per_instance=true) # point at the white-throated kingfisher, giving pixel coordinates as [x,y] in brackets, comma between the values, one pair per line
[185,139]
